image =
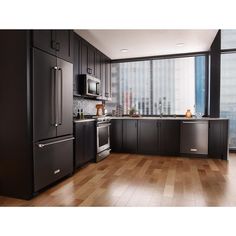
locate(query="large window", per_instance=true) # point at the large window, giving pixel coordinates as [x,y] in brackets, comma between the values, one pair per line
[163,86]
[228,83]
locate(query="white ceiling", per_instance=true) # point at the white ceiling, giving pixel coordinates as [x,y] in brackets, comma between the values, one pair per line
[141,43]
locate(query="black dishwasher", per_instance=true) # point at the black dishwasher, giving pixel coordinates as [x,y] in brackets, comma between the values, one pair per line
[194,137]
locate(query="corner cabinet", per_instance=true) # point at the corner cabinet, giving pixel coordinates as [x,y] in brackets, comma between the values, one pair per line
[116,135]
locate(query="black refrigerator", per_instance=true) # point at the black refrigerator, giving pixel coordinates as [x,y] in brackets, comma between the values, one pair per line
[52,118]
[36,121]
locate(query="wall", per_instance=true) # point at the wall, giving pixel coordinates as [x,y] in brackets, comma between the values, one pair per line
[88,105]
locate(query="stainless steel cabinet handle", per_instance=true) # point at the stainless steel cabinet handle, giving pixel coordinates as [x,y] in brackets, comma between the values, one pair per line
[192,122]
[41,145]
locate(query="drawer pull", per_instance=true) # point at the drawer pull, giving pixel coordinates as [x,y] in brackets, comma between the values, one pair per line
[41,145]
[57,171]
[193,150]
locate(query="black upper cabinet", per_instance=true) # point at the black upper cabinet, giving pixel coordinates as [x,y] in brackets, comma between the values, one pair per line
[76,64]
[97,65]
[103,77]
[55,42]
[108,79]
[84,57]
[91,61]
[64,46]
[170,137]
[116,136]
[45,40]
[84,143]
[130,136]
[218,139]
[148,137]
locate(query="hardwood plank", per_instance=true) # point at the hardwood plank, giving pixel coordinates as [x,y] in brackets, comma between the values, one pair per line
[136,180]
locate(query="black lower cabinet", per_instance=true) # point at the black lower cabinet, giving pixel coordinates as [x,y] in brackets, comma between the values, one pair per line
[169,137]
[148,137]
[130,136]
[116,136]
[84,143]
[218,139]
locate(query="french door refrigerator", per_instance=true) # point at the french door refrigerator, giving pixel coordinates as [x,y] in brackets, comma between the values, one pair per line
[36,100]
[52,119]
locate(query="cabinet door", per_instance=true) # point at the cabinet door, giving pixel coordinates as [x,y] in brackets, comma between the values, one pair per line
[91,61]
[89,137]
[45,40]
[218,139]
[76,64]
[108,80]
[52,161]
[103,77]
[64,44]
[130,136]
[79,148]
[148,137]
[116,136]
[43,95]
[65,100]
[194,137]
[169,137]
[97,65]
[84,57]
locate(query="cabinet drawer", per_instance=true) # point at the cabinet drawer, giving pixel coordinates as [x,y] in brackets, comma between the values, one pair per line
[52,161]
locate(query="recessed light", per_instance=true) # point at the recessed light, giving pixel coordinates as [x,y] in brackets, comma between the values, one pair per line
[180,44]
[124,50]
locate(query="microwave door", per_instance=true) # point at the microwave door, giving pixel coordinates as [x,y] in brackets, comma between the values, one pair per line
[91,87]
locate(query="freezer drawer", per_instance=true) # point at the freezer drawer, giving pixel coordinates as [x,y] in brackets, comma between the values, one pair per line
[194,137]
[53,159]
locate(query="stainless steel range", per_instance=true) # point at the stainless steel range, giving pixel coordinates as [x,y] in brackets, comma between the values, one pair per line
[103,137]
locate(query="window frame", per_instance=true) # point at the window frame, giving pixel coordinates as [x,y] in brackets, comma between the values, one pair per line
[175,56]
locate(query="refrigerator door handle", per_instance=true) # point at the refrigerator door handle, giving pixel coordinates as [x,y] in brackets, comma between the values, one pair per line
[60,95]
[54,97]
[41,145]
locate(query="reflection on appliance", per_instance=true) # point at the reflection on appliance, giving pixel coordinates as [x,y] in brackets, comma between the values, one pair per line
[103,137]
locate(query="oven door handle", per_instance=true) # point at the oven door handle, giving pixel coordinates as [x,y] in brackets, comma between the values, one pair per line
[103,125]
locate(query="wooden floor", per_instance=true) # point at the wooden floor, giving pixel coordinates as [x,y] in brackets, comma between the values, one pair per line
[136,180]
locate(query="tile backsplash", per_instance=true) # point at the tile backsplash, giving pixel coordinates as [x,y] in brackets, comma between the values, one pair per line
[88,105]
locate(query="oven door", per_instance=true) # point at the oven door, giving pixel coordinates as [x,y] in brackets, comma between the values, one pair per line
[103,137]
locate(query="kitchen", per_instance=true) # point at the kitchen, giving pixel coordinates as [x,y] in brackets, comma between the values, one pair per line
[72,123]
[117,117]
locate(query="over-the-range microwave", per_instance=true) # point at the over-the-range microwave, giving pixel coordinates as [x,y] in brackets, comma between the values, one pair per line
[89,85]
